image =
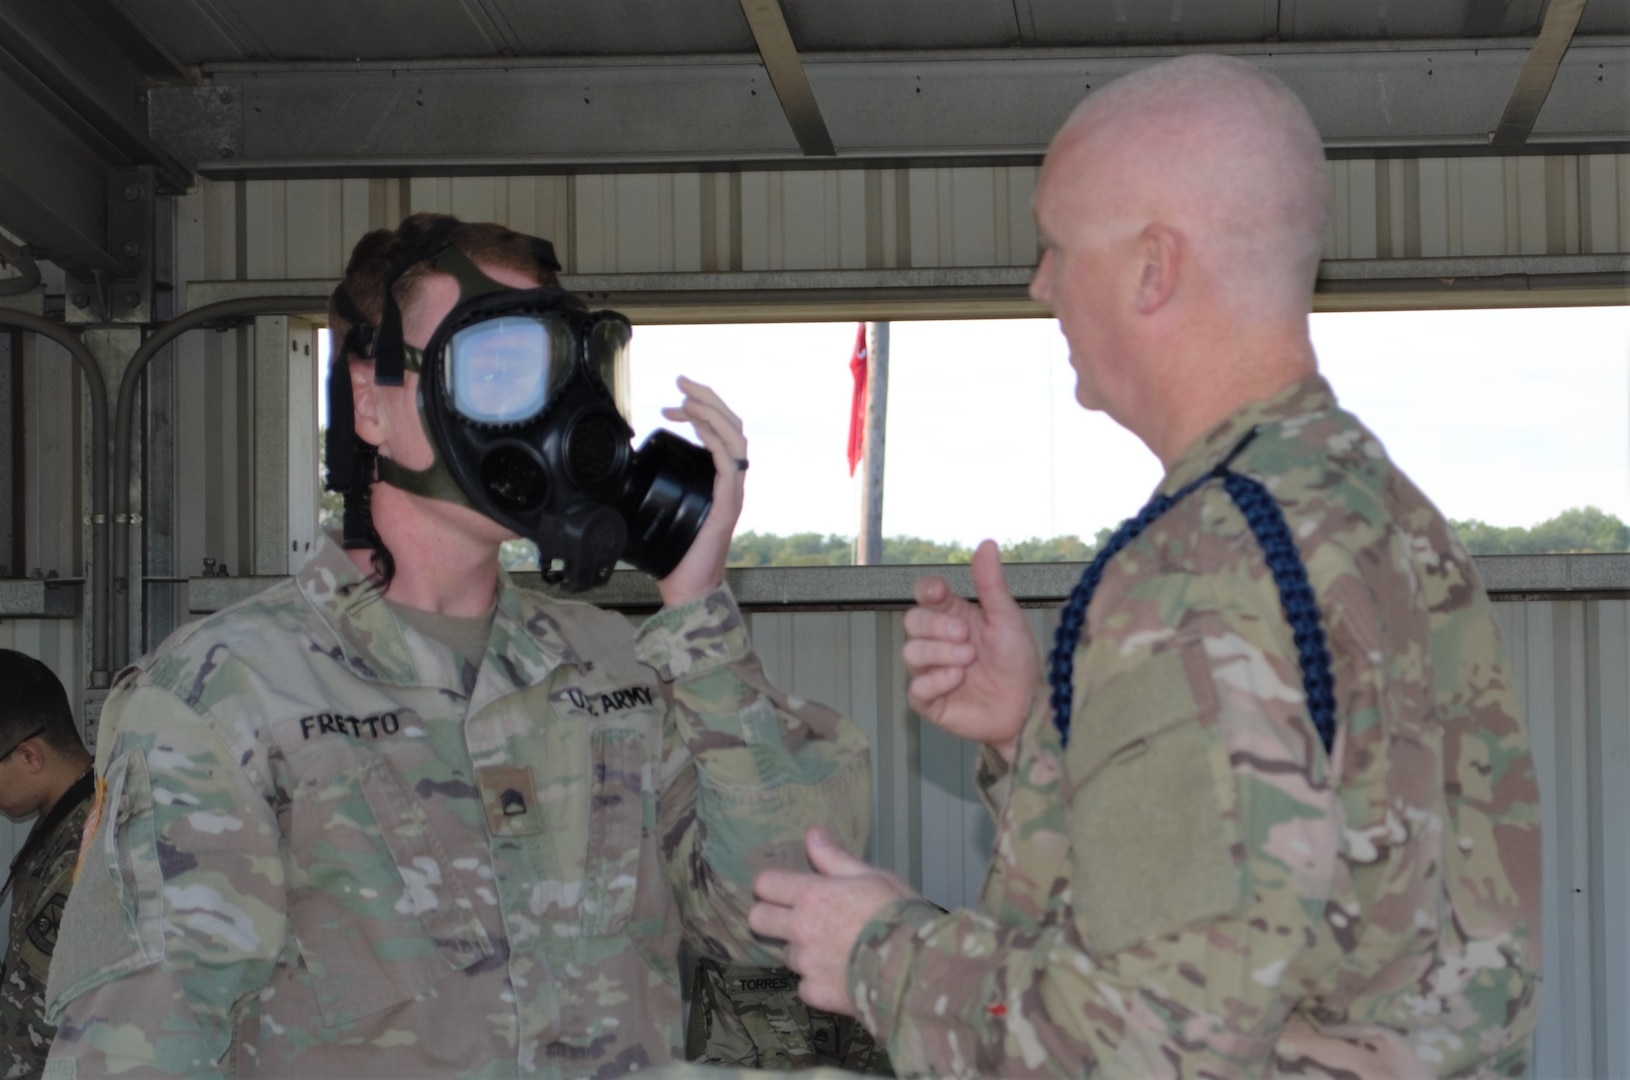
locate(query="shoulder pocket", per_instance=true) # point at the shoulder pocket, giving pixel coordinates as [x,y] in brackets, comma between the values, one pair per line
[1153,810]
[375,904]
[115,911]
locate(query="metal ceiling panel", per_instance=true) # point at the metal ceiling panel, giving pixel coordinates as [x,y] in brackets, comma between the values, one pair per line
[1605,17]
[1439,97]
[1376,99]
[206,31]
[1344,20]
[214,31]
[865,25]
[318,29]
[435,118]
[196,31]
[624,27]
[1586,78]
[1097,23]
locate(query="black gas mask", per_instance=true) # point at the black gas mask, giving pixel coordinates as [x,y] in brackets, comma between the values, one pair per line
[518,391]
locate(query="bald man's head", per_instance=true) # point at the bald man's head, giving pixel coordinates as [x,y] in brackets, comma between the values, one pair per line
[1220,151]
[1182,212]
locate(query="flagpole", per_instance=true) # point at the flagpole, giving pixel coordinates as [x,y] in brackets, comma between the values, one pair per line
[869,543]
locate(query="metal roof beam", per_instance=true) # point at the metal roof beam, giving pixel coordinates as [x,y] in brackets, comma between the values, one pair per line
[1002,291]
[697,112]
[769,25]
[1538,73]
[53,189]
[87,82]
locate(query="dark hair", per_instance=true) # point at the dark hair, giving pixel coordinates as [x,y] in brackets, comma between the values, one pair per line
[372,262]
[32,698]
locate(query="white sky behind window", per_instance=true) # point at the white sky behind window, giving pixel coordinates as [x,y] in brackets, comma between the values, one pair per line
[1509,416]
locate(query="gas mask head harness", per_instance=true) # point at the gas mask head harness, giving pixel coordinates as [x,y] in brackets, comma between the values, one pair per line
[519,392]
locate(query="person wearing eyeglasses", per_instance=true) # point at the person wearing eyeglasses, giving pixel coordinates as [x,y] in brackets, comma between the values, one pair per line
[45,774]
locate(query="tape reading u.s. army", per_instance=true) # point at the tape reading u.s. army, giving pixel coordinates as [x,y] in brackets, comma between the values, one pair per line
[612,701]
[357,727]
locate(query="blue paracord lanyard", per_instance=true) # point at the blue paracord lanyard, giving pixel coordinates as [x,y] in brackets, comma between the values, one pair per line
[1267,524]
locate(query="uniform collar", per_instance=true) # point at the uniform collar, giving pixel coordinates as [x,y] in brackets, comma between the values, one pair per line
[1303,397]
[526,642]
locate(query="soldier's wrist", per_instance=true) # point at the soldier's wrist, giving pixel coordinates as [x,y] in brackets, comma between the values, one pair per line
[880,960]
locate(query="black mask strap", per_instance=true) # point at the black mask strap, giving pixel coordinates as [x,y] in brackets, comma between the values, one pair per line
[543,253]
[388,359]
[359,340]
[350,460]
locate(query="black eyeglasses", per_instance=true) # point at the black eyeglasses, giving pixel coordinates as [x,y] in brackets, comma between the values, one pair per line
[21,741]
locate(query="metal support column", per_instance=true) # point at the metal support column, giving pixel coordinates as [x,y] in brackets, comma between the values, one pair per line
[869,545]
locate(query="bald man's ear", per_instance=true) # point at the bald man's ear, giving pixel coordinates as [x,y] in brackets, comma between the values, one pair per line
[1159,252]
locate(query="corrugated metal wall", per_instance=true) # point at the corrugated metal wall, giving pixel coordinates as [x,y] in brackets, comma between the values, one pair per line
[1571,661]
[1449,207]
[972,216]
[53,501]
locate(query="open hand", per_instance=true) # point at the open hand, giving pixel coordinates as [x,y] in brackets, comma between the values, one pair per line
[820,916]
[974,667]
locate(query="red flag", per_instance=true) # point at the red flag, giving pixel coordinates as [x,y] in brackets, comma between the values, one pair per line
[857,405]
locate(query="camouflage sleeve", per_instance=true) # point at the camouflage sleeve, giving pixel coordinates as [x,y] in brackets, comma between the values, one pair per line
[993,777]
[746,771]
[1203,841]
[177,915]
[25,1036]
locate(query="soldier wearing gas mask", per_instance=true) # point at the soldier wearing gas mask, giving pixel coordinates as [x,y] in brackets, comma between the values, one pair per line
[397,817]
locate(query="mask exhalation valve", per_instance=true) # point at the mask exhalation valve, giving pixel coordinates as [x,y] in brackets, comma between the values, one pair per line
[586,541]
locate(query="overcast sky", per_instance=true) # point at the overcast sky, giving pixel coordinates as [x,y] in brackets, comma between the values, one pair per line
[1509,416]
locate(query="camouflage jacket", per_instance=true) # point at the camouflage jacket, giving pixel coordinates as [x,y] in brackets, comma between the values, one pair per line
[39,894]
[1194,887]
[752,1017]
[329,847]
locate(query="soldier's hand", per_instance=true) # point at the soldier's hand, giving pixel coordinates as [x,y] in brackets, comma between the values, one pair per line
[974,667]
[720,430]
[821,915]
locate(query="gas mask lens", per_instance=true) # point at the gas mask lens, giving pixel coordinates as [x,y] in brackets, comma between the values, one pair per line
[500,371]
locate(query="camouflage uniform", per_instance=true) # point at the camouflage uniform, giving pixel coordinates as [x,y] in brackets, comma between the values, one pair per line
[1194,887]
[329,847]
[39,894]
[753,1017]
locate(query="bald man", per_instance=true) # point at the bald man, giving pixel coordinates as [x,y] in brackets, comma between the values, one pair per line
[1272,809]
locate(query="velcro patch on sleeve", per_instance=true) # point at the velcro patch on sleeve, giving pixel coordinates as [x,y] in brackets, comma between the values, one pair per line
[1153,812]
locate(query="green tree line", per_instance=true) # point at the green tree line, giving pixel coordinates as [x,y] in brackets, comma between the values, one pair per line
[1581,530]
[814,549]
[1584,529]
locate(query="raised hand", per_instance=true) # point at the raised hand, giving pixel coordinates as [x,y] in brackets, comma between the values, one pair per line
[974,668]
[719,429]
